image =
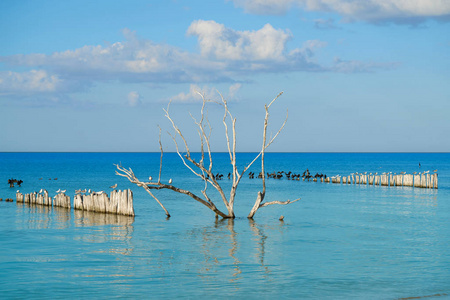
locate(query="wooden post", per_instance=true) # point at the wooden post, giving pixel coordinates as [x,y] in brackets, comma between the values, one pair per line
[19,197]
[408,180]
[371,179]
[364,179]
[416,180]
[435,180]
[384,179]
[377,180]
[391,179]
[78,202]
[423,180]
[61,200]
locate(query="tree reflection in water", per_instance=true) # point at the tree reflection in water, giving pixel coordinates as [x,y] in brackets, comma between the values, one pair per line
[227,249]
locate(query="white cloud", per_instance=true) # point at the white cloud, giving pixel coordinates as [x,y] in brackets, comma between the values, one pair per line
[210,93]
[232,91]
[224,43]
[400,11]
[134,99]
[34,81]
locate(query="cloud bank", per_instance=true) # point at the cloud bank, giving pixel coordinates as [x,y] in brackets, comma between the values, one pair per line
[397,11]
[225,55]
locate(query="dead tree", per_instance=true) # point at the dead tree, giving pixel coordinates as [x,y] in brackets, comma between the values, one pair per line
[204,169]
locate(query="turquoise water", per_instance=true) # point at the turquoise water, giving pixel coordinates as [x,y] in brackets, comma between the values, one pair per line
[337,242]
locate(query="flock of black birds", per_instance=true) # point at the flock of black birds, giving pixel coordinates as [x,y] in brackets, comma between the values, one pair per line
[12,181]
[306,175]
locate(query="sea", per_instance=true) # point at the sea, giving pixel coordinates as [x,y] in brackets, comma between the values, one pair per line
[339,241]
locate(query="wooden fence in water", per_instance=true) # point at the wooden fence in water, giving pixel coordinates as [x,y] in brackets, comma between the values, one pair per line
[420,180]
[119,202]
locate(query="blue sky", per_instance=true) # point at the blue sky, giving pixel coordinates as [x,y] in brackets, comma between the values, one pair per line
[95,75]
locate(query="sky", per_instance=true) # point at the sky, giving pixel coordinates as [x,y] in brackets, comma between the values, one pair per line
[356,76]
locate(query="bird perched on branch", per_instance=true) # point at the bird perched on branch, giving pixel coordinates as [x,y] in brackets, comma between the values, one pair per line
[150,178]
[170,181]
[113,186]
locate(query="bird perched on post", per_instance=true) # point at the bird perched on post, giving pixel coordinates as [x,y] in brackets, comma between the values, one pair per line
[150,178]
[170,181]
[114,186]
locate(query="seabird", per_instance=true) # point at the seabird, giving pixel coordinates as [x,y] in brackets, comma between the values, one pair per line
[18,191]
[59,190]
[84,191]
[63,191]
[170,181]
[435,171]
[150,178]
[113,186]
[40,192]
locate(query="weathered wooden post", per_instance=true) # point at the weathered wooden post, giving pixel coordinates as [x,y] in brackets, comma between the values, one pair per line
[125,205]
[364,179]
[391,179]
[61,200]
[78,202]
[398,180]
[327,180]
[384,179]
[357,178]
[353,178]
[377,180]
[408,180]
[344,180]
[417,180]
[435,180]
[371,179]
[19,197]
[423,180]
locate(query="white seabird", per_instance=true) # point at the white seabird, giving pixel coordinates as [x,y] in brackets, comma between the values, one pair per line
[150,178]
[114,186]
[170,181]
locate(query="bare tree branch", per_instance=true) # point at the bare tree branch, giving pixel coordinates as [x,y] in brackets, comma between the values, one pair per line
[205,173]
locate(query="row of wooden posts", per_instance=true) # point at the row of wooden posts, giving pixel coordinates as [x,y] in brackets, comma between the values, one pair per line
[420,180]
[119,202]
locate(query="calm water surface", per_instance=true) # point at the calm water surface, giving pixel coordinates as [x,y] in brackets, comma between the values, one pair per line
[337,242]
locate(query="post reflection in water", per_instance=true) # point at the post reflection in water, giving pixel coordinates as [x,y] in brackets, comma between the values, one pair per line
[112,227]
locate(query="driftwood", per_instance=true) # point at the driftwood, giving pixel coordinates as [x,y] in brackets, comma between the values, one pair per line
[204,170]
